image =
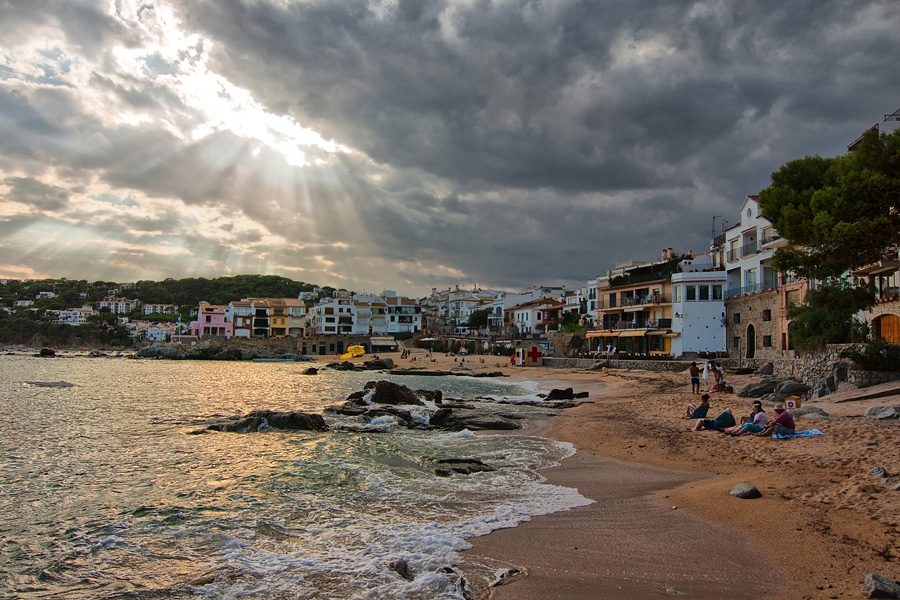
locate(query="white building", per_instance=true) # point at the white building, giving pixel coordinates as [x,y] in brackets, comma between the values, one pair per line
[698,305]
[75,316]
[159,309]
[119,306]
[749,247]
[332,316]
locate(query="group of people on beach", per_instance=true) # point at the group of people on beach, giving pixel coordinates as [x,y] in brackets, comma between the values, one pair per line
[712,367]
[757,423]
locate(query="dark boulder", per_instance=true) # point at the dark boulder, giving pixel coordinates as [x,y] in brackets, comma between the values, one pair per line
[379,363]
[47,352]
[275,419]
[435,396]
[790,387]
[478,421]
[311,371]
[883,412]
[387,392]
[766,369]
[462,466]
[439,417]
[557,394]
[745,491]
[879,586]
[758,389]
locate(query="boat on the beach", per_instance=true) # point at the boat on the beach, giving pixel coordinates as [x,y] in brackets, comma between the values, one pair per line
[353,352]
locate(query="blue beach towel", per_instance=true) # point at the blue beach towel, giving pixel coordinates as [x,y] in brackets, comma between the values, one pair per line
[807,433]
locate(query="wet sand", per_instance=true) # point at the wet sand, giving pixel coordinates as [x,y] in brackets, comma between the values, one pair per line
[663,521]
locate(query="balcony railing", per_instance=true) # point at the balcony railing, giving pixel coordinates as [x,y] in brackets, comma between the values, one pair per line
[749,249]
[768,239]
[768,285]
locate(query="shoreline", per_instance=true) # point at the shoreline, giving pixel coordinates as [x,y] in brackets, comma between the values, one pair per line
[821,526]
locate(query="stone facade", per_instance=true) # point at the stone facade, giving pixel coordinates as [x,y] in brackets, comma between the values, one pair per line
[751,323]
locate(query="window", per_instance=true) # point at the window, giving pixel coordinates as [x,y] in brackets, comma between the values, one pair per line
[612,300]
[792,297]
[717,292]
[690,293]
[676,292]
[767,341]
[767,315]
[704,293]
[737,318]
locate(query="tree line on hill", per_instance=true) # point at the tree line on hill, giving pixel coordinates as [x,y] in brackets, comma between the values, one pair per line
[32,325]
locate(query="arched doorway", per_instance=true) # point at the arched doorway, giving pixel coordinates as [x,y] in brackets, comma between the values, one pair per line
[887,327]
[751,341]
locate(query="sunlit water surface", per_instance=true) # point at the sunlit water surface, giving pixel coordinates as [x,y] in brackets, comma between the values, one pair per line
[104,494]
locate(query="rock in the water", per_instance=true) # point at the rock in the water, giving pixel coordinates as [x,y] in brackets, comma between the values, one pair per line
[439,417]
[277,420]
[311,371]
[462,466]
[745,491]
[401,567]
[49,352]
[387,392]
[557,394]
[879,586]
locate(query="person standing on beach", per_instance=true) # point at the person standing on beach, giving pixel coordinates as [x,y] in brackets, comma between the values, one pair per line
[695,378]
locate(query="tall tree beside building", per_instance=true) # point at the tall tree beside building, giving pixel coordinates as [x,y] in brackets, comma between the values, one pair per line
[838,213]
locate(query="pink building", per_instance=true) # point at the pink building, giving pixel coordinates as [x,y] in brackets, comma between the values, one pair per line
[212,321]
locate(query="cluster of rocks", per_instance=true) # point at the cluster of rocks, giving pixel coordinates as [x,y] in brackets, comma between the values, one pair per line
[259,420]
[770,389]
[376,364]
[388,398]
[879,586]
[217,350]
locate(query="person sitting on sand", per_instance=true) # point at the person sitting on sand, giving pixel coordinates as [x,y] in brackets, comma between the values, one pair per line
[720,423]
[753,425]
[782,424]
[697,411]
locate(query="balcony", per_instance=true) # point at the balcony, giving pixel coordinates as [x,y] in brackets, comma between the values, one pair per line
[766,286]
[749,249]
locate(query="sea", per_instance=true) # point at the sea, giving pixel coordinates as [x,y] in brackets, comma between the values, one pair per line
[106,491]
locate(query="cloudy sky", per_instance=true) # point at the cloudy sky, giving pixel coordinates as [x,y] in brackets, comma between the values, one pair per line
[405,145]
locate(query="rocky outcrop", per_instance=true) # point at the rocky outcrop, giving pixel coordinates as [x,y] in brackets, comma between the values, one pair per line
[884,412]
[260,419]
[387,392]
[758,389]
[377,364]
[461,466]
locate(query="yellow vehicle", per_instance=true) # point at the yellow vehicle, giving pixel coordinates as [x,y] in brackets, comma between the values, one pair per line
[353,352]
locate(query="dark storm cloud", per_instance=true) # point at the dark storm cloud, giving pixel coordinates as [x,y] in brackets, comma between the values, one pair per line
[508,142]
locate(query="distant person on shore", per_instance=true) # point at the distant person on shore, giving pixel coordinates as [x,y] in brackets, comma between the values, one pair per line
[695,378]
[512,360]
[720,423]
[698,411]
[782,424]
[755,423]
[719,375]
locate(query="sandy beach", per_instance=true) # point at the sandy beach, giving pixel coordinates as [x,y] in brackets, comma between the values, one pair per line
[663,522]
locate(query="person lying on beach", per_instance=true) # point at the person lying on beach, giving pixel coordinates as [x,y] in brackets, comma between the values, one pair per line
[753,425]
[720,423]
[698,411]
[782,424]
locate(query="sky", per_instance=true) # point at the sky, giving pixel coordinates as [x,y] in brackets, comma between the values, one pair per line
[410,145]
